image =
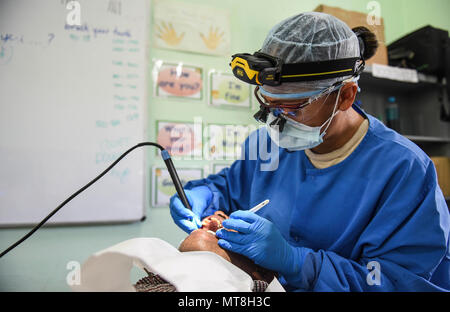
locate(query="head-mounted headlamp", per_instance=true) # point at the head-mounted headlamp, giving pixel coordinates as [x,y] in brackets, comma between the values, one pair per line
[263,69]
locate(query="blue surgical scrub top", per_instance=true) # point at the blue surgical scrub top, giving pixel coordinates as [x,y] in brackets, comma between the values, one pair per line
[377,221]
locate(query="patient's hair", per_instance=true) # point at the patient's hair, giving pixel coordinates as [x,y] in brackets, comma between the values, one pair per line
[204,239]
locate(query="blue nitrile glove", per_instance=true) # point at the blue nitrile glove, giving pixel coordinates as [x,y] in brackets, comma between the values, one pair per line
[189,220]
[259,240]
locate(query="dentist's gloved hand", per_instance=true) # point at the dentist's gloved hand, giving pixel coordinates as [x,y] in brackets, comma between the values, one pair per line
[189,220]
[259,239]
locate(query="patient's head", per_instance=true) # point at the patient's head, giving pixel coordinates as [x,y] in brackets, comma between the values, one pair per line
[204,239]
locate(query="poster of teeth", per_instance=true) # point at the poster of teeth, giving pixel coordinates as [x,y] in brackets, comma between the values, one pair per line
[224,141]
[182,140]
[163,187]
[227,90]
[177,80]
[190,27]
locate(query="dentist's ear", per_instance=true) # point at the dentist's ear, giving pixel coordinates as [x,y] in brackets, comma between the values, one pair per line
[347,95]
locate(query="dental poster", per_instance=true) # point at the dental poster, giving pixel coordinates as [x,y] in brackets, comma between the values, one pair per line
[181,140]
[227,90]
[163,187]
[177,80]
[224,141]
[190,27]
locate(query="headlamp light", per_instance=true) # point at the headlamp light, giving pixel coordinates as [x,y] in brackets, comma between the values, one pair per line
[263,69]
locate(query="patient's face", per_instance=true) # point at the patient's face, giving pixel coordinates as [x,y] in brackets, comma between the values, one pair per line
[204,239]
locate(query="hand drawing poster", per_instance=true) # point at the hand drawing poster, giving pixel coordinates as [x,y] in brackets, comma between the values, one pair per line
[163,187]
[193,28]
[181,140]
[227,90]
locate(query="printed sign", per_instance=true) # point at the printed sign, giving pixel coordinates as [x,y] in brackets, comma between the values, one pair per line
[228,90]
[395,73]
[224,141]
[177,80]
[163,187]
[180,139]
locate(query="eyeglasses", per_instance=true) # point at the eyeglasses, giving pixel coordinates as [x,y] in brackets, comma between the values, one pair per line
[299,108]
[288,104]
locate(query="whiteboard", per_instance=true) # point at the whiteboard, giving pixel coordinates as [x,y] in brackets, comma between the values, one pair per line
[72,99]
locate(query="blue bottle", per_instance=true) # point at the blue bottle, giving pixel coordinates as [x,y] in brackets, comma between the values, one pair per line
[392,116]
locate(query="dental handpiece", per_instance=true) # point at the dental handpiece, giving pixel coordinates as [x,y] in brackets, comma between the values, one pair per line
[170,167]
[175,179]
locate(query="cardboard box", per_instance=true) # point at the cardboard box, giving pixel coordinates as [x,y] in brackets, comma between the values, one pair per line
[354,19]
[381,57]
[442,165]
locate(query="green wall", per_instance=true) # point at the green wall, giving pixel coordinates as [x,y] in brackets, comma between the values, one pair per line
[420,13]
[39,264]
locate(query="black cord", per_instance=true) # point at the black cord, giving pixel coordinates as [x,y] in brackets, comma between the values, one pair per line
[76,193]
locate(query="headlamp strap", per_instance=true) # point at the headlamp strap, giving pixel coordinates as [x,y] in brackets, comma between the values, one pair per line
[318,70]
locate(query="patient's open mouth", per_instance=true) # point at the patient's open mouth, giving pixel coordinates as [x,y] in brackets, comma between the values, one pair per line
[214,222]
[211,224]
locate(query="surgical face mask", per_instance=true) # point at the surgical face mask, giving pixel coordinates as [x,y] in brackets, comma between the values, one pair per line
[297,136]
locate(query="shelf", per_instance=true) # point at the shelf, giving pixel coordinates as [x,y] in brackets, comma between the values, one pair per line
[367,80]
[423,78]
[417,138]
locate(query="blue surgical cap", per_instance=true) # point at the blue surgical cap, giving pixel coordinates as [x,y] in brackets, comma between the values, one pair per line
[310,37]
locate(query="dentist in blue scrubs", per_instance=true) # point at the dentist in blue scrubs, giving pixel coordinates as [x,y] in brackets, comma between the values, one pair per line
[354,206]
